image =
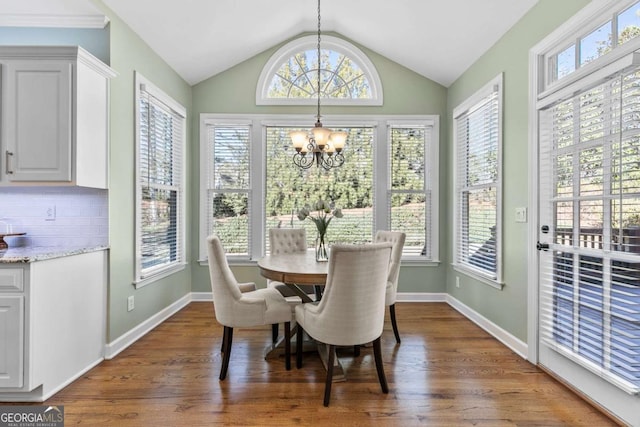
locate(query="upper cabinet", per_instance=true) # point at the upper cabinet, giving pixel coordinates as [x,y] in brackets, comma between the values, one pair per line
[55,117]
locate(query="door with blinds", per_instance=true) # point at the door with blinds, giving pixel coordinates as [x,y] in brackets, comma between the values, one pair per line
[589,240]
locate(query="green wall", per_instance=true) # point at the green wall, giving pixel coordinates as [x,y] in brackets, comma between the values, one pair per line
[510,55]
[129,53]
[234,91]
[405,92]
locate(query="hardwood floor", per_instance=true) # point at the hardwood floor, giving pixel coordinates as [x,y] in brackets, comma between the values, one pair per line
[446,372]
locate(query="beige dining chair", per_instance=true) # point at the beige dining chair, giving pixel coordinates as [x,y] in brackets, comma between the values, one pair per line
[351,311]
[397,238]
[284,241]
[235,309]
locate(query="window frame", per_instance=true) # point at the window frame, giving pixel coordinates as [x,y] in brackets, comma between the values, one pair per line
[143,277]
[608,11]
[381,173]
[495,85]
[311,42]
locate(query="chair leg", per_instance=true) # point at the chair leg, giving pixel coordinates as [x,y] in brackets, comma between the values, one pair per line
[318,291]
[329,381]
[377,353]
[224,339]
[228,339]
[287,345]
[299,339]
[274,333]
[394,324]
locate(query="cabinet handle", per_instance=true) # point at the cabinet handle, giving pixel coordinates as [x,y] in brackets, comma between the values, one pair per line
[7,157]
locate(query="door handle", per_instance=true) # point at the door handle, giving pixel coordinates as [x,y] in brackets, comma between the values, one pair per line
[7,157]
[542,246]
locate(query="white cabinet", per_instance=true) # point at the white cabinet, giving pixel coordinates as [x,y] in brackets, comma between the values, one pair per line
[52,323]
[11,333]
[11,326]
[55,114]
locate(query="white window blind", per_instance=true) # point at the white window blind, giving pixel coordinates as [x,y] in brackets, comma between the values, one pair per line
[590,279]
[409,193]
[478,186]
[229,186]
[349,187]
[160,219]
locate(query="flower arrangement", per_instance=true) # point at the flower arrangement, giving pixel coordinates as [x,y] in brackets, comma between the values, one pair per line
[321,219]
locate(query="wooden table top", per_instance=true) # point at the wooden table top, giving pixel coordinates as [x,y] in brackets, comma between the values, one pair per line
[301,269]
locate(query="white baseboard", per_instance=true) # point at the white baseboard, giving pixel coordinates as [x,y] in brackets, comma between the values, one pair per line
[514,343]
[112,349]
[201,296]
[421,297]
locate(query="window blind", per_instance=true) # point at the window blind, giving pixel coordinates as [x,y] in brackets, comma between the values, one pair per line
[229,186]
[160,187]
[590,279]
[409,194]
[477,186]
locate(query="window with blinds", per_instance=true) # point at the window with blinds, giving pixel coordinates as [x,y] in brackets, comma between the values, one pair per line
[409,193]
[590,186]
[349,187]
[478,187]
[399,195]
[159,179]
[229,186]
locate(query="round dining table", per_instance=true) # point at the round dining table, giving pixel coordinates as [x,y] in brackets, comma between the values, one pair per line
[293,270]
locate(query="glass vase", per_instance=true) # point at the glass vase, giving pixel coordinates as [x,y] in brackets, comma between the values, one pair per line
[322,249]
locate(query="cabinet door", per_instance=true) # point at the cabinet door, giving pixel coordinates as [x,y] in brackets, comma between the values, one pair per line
[37,120]
[11,341]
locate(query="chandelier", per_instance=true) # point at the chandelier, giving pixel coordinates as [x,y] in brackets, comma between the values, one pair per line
[324,146]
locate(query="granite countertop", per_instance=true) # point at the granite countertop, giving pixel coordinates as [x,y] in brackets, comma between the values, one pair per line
[40,253]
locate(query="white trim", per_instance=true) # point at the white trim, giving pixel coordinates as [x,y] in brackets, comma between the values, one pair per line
[114,348]
[160,274]
[37,395]
[421,297]
[328,42]
[514,343]
[54,21]
[532,227]
[478,275]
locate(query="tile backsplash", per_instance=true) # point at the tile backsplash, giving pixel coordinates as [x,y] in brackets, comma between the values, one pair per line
[55,216]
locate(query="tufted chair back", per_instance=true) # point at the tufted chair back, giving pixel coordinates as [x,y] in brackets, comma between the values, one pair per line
[397,239]
[287,240]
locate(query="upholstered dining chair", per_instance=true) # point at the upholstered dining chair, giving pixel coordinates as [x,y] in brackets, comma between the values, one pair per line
[351,311]
[397,238]
[284,241]
[235,309]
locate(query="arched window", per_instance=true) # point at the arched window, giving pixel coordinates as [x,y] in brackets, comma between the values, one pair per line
[347,76]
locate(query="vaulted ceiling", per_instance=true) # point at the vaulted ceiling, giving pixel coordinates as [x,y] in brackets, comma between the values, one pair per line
[438,39]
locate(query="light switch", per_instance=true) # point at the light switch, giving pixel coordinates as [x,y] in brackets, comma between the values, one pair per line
[521,214]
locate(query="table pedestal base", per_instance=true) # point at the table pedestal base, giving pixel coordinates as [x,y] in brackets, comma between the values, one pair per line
[308,346]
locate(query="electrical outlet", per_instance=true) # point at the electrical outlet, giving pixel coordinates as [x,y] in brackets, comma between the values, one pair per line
[457,281]
[50,213]
[131,303]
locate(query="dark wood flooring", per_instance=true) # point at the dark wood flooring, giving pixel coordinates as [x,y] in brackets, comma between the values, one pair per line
[446,372]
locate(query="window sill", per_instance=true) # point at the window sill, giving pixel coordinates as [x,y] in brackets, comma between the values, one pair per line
[479,277]
[141,283]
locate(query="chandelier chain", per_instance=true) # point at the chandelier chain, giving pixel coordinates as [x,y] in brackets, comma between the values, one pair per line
[319,61]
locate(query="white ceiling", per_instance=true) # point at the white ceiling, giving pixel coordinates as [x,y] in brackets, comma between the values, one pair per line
[438,39]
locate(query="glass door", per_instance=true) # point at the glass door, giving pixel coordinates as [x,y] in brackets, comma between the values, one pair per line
[589,241]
